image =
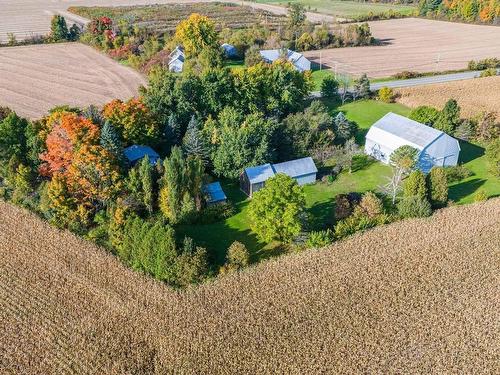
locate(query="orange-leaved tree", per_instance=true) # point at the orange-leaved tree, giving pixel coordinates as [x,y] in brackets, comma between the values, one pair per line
[68,132]
[133,120]
[94,175]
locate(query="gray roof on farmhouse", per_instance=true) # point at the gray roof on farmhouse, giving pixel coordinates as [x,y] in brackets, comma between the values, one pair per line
[412,131]
[293,168]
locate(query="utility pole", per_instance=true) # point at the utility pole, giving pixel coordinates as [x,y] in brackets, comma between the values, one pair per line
[437,61]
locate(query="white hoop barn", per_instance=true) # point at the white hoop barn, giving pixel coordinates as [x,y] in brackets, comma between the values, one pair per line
[393,131]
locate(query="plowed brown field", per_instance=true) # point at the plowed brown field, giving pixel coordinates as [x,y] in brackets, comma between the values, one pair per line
[419,296]
[474,96]
[34,79]
[414,44]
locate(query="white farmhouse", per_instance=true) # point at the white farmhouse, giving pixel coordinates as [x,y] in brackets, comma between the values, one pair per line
[393,131]
[176,60]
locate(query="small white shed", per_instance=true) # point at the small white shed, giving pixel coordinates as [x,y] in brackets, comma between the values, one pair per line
[393,131]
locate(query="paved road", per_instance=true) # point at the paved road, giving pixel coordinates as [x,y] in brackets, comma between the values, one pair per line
[426,80]
[421,81]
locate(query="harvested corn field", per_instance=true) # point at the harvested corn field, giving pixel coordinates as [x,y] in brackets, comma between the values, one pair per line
[474,96]
[419,296]
[34,79]
[163,18]
[414,44]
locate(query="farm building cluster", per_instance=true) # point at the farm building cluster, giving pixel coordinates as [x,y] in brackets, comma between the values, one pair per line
[177,57]
[392,131]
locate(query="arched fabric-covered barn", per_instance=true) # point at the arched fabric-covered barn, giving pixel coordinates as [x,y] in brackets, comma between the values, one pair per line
[393,131]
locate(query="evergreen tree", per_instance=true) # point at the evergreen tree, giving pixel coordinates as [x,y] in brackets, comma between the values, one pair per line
[344,129]
[193,142]
[172,185]
[449,118]
[437,186]
[362,87]
[465,131]
[94,114]
[415,185]
[110,140]
[146,178]
[59,28]
[172,130]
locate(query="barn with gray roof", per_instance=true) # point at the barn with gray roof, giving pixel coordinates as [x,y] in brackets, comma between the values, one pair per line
[392,131]
[298,60]
[254,178]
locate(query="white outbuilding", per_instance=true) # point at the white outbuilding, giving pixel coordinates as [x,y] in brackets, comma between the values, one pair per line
[393,131]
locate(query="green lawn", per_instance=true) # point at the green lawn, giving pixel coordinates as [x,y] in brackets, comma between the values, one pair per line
[472,157]
[344,8]
[218,236]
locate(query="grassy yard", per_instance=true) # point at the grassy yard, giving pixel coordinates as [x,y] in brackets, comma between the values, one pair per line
[344,8]
[319,197]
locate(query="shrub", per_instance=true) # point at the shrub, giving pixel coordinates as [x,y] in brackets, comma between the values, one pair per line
[320,238]
[438,186]
[406,75]
[480,196]
[329,87]
[237,257]
[370,206]
[457,173]
[425,115]
[414,206]
[386,95]
[415,185]
[488,72]
[345,203]
[493,156]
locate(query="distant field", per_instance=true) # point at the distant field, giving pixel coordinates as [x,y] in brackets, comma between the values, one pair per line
[473,95]
[34,79]
[166,17]
[344,8]
[414,297]
[414,44]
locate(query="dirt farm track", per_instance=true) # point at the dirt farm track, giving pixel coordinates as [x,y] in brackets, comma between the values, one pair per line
[34,79]
[414,44]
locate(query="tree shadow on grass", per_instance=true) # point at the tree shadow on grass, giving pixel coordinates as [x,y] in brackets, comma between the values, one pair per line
[320,215]
[360,162]
[469,152]
[463,189]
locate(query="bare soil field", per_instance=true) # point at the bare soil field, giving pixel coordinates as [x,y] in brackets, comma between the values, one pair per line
[418,296]
[474,96]
[414,44]
[34,79]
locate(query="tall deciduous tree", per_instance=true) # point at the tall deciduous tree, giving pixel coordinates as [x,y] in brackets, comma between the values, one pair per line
[68,132]
[415,185]
[402,160]
[438,186]
[196,34]
[275,211]
[133,120]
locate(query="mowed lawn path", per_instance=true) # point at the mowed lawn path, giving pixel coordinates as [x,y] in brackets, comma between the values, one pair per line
[34,79]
